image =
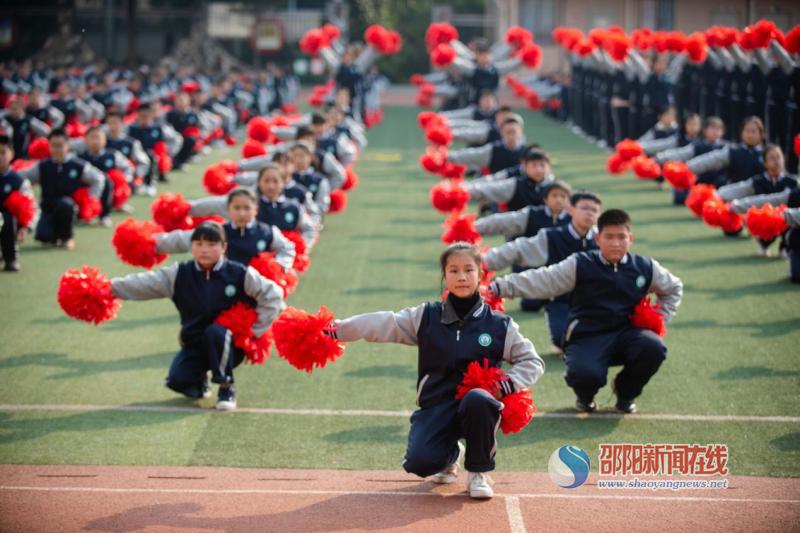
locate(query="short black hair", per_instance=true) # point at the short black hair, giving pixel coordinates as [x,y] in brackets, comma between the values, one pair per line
[584,195]
[94,128]
[535,155]
[302,146]
[144,106]
[5,140]
[505,109]
[317,119]
[486,92]
[247,193]
[304,131]
[58,132]
[558,185]
[279,157]
[613,217]
[209,231]
[113,114]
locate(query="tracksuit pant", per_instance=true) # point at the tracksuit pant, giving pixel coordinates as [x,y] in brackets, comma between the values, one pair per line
[215,351]
[56,220]
[432,441]
[639,351]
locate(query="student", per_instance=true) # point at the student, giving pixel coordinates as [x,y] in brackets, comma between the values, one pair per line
[792,216]
[689,133]
[181,117]
[604,285]
[774,179]
[105,159]
[148,132]
[547,247]
[117,139]
[498,155]
[24,126]
[741,160]
[713,132]
[245,235]
[480,132]
[11,232]
[306,175]
[450,335]
[665,127]
[59,176]
[516,192]
[202,288]
[527,222]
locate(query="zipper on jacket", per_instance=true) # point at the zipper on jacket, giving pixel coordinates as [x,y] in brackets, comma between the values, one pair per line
[421,384]
[458,335]
[208,275]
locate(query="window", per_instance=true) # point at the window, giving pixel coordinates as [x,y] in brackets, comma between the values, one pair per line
[539,16]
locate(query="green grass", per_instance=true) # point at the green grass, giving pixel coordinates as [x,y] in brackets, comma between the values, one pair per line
[732,348]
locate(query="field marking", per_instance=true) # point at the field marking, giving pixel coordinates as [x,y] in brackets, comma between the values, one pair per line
[515,521]
[318,492]
[379,413]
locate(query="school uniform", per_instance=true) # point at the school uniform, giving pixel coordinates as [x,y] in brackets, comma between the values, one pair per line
[10,182]
[180,120]
[515,192]
[317,185]
[447,342]
[200,296]
[495,156]
[105,160]
[599,334]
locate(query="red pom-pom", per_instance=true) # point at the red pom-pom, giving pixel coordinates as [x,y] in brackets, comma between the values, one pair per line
[417,79]
[646,316]
[533,100]
[338,201]
[301,259]
[253,148]
[696,48]
[190,87]
[86,295]
[299,338]
[135,243]
[230,140]
[163,159]
[646,168]
[518,411]
[88,206]
[793,40]
[258,128]
[377,36]
[350,179]
[429,118]
[22,207]
[313,41]
[439,32]
[452,170]
[518,37]
[628,149]
[217,180]
[766,222]
[460,227]
[717,214]
[698,196]
[678,175]
[425,95]
[171,211]
[481,376]
[192,131]
[675,41]
[240,319]
[267,266]
[496,303]
[448,196]
[39,148]
[439,135]
[617,45]
[642,38]
[331,31]
[76,130]
[531,55]
[434,159]
[797,145]
[443,55]
[21,164]
[122,191]
[616,164]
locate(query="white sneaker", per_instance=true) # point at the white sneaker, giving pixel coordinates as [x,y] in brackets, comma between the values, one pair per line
[106,222]
[763,251]
[450,473]
[480,485]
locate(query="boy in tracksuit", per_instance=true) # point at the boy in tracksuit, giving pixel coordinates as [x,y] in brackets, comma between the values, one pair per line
[117,139]
[59,176]
[497,155]
[551,246]
[202,288]
[307,176]
[105,159]
[604,285]
[516,192]
[10,182]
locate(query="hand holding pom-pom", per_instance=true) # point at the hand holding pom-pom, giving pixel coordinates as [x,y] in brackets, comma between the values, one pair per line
[86,295]
[718,214]
[300,338]
[678,175]
[22,207]
[240,319]
[646,316]
[616,164]
[439,135]
[171,211]
[448,196]
[766,222]
[698,196]
[628,149]
[89,207]
[531,55]
[122,191]
[218,180]
[301,259]
[350,179]
[338,201]
[461,228]
[267,266]
[39,148]
[253,148]
[135,243]
[518,411]
[443,55]
[646,168]
[258,128]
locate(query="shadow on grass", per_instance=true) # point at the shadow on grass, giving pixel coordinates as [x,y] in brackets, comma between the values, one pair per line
[750,372]
[790,442]
[770,329]
[561,430]
[393,434]
[753,289]
[403,372]
[77,368]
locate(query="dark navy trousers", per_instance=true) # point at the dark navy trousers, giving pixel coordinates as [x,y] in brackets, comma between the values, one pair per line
[794,265]
[56,220]
[555,314]
[432,441]
[8,237]
[639,351]
[214,352]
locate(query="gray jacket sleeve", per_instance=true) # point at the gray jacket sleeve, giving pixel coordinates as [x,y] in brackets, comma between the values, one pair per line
[711,161]
[743,204]
[782,57]
[94,178]
[123,163]
[524,251]
[174,242]
[268,296]
[479,156]
[173,139]
[283,249]
[683,153]
[792,217]
[509,224]
[668,289]
[140,158]
[654,146]
[39,128]
[307,230]
[254,163]
[472,134]
[464,112]
[333,170]
[323,199]
[740,189]
[246,179]
[211,205]
[491,190]
[56,116]
[526,365]
[546,282]
[146,285]
[384,326]
[31,173]
[331,58]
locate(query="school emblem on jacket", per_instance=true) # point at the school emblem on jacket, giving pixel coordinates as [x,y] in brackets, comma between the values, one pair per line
[289,217]
[261,245]
[230,291]
[7,188]
[640,281]
[73,173]
[485,339]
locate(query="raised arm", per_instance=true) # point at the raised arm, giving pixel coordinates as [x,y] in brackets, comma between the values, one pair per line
[283,249]
[524,251]
[384,326]
[491,190]
[211,205]
[178,241]
[743,204]
[146,285]
[733,191]
[547,282]
[711,161]
[94,178]
[511,223]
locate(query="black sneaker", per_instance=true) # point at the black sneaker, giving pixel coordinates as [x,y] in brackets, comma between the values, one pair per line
[226,399]
[626,407]
[585,407]
[12,266]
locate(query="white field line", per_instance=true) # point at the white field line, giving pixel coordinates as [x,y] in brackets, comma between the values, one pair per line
[379,413]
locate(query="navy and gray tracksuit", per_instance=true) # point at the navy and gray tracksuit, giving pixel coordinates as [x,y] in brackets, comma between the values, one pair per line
[547,247]
[446,345]
[200,296]
[602,296]
[106,160]
[516,192]
[496,156]
[10,182]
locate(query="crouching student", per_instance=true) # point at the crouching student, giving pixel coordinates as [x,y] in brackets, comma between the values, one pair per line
[605,285]
[201,289]
[516,192]
[12,231]
[449,335]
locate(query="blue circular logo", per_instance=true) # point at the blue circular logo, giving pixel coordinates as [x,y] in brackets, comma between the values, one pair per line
[485,339]
[261,245]
[289,217]
[230,291]
[569,467]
